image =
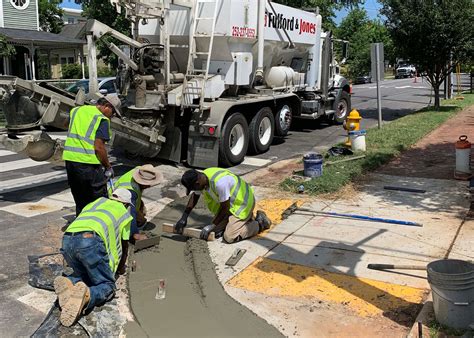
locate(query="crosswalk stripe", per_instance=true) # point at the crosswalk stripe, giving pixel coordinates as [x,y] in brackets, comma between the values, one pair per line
[7,153]
[20,164]
[256,162]
[32,181]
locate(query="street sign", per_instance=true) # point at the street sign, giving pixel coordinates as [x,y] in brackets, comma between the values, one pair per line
[377,58]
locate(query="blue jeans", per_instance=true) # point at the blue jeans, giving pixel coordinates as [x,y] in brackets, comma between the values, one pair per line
[85,253]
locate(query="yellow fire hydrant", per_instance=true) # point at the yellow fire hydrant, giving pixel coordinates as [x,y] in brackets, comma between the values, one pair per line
[351,123]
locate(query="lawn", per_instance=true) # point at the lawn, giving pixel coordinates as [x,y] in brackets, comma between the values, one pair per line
[382,145]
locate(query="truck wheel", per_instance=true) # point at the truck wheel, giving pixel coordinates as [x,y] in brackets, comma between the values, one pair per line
[261,131]
[342,108]
[283,118]
[234,141]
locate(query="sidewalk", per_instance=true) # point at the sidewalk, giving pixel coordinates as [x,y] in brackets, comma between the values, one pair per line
[308,275]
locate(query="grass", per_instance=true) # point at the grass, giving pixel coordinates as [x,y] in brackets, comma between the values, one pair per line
[382,146]
[439,330]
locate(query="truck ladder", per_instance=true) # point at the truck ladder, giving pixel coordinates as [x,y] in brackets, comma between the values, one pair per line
[195,88]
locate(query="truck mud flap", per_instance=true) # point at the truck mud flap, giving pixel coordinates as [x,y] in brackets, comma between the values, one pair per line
[203,151]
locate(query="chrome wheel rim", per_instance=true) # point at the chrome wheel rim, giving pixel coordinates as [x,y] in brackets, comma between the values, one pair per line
[284,117]
[265,131]
[236,140]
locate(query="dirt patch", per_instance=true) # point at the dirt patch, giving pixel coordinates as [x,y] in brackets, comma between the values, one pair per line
[272,175]
[434,156]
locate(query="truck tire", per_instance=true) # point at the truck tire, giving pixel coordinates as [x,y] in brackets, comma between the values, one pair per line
[283,118]
[261,130]
[234,141]
[342,108]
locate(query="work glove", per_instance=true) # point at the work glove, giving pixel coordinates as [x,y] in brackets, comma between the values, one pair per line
[206,231]
[179,226]
[109,173]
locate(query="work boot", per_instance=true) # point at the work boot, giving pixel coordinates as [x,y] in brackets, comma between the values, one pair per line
[62,287]
[78,300]
[263,221]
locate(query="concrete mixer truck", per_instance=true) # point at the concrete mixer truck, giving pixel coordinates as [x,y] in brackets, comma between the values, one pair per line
[203,82]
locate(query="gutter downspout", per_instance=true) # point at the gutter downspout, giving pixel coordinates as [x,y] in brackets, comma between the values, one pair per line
[261,39]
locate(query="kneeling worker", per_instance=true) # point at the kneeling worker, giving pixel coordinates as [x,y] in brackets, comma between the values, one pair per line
[95,246]
[135,181]
[229,198]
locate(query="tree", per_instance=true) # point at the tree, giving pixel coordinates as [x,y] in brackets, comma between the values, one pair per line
[105,12]
[360,31]
[5,48]
[50,15]
[434,35]
[327,8]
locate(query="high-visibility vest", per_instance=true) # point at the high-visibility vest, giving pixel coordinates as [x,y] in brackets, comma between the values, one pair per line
[110,220]
[83,125]
[126,181]
[242,199]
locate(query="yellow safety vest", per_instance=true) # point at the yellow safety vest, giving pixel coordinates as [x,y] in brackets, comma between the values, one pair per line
[242,199]
[126,181]
[83,125]
[111,221]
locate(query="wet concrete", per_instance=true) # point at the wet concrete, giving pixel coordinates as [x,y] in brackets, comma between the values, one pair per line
[196,303]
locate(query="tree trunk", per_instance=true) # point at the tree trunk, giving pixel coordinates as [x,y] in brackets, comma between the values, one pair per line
[436,95]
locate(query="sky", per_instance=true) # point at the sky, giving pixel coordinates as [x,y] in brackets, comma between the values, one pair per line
[371,6]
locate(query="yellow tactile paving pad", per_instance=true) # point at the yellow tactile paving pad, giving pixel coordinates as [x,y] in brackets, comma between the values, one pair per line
[274,208]
[364,296]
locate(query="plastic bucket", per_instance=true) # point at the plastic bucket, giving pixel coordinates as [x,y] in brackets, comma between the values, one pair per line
[357,138]
[313,165]
[452,283]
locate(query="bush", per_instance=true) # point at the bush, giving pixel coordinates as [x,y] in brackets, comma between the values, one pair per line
[105,72]
[71,71]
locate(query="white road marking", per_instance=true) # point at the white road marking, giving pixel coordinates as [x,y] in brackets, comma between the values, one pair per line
[45,205]
[255,162]
[32,181]
[6,153]
[40,300]
[20,164]
[403,87]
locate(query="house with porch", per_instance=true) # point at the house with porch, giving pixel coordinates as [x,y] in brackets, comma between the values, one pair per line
[19,24]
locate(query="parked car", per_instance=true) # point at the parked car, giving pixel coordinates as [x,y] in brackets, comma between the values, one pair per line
[405,71]
[106,86]
[363,79]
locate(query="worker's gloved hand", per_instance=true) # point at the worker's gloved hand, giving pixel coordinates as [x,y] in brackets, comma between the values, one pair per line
[179,226]
[109,173]
[206,231]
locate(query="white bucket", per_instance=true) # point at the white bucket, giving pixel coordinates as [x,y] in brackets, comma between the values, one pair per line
[357,138]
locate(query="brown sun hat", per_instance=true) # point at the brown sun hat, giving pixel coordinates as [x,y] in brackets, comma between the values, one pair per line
[147,175]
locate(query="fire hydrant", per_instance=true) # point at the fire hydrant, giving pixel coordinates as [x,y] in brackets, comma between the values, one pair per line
[351,123]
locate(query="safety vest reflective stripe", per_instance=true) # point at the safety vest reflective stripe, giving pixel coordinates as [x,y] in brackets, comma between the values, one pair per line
[126,181]
[82,138]
[80,150]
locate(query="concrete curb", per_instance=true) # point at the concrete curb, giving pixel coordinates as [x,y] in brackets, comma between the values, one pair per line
[425,316]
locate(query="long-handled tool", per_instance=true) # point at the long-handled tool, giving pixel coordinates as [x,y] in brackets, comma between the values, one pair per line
[365,218]
[110,182]
[395,267]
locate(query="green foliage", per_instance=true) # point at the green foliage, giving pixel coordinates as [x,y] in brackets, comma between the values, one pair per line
[382,146]
[430,33]
[50,15]
[5,48]
[71,71]
[327,8]
[104,12]
[105,72]
[361,32]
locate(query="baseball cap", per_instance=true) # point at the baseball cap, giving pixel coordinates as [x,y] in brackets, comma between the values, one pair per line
[189,179]
[122,195]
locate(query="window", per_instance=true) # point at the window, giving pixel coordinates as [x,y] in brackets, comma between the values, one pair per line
[70,59]
[110,86]
[70,20]
[63,61]
[20,4]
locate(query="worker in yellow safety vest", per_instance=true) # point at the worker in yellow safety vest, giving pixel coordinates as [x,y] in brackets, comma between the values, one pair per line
[135,181]
[229,198]
[95,246]
[87,164]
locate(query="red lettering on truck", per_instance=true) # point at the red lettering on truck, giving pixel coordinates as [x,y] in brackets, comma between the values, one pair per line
[307,27]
